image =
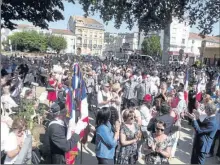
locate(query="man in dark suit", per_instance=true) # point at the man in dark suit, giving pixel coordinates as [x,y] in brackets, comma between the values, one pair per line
[204,133]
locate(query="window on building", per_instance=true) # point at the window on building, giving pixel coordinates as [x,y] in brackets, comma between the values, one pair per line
[191,48]
[183,41]
[173,39]
[85,41]
[90,41]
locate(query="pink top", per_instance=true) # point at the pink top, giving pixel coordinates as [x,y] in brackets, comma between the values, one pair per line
[174,102]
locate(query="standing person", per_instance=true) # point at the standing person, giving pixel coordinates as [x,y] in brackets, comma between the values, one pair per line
[204,134]
[191,101]
[217,137]
[104,96]
[158,146]
[129,136]
[116,95]
[129,92]
[52,96]
[90,83]
[142,89]
[106,139]
[56,143]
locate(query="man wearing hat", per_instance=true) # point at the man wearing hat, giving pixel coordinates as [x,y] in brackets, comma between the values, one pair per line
[56,143]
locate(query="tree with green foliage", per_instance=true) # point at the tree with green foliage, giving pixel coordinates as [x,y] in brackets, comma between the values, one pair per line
[38,12]
[29,41]
[57,43]
[151,46]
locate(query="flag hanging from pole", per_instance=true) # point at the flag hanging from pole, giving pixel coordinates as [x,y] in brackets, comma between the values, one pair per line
[79,104]
[186,86]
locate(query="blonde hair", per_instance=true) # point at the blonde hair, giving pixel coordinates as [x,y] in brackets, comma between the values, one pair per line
[128,114]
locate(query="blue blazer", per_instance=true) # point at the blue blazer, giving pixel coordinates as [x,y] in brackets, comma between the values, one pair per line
[205,132]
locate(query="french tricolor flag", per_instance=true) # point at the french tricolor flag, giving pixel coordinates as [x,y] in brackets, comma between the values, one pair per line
[78,102]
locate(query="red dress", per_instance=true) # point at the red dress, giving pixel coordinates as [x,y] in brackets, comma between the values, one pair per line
[51,96]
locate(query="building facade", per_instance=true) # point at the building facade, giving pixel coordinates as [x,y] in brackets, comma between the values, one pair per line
[68,35]
[89,34]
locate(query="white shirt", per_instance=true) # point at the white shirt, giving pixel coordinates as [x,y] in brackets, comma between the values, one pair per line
[155,80]
[146,115]
[4,134]
[100,98]
[11,144]
[8,101]
[153,89]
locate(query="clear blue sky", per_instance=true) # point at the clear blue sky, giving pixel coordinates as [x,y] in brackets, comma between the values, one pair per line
[71,9]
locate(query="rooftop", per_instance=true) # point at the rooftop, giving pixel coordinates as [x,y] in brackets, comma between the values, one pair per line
[208,38]
[62,31]
[55,31]
[88,22]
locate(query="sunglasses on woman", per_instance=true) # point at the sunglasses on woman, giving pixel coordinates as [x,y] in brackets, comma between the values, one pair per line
[159,129]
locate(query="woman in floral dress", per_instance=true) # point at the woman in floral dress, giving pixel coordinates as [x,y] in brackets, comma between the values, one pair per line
[129,135]
[158,146]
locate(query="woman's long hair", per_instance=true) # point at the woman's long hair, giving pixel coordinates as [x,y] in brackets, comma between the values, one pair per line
[103,116]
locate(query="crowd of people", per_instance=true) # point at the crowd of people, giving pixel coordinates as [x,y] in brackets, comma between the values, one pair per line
[139,108]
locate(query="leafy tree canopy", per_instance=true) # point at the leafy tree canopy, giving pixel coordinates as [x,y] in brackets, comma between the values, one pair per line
[151,46]
[39,12]
[34,41]
[156,14]
[57,43]
[29,40]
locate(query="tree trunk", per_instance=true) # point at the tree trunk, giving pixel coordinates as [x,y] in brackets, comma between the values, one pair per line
[166,44]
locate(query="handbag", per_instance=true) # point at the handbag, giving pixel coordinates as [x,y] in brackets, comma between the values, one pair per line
[93,138]
[50,88]
[36,159]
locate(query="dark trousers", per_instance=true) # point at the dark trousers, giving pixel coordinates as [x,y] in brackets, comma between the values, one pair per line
[115,157]
[105,161]
[3,156]
[217,136]
[198,158]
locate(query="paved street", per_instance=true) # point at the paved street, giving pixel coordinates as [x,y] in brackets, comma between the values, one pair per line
[182,154]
